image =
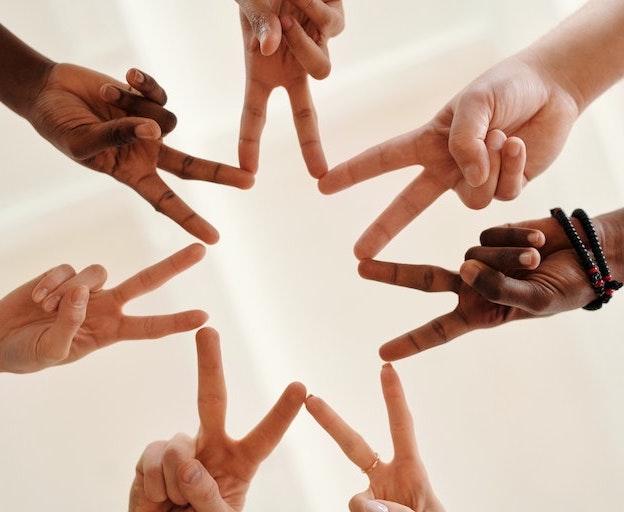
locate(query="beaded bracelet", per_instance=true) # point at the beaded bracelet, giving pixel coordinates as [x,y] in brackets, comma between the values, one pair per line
[610,284]
[603,287]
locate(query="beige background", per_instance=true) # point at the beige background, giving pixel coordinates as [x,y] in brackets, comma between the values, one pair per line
[524,417]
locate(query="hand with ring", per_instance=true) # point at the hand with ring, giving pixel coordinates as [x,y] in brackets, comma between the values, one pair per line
[401,485]
[211,472]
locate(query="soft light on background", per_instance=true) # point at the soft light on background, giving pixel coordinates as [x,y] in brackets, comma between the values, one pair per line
[526,416]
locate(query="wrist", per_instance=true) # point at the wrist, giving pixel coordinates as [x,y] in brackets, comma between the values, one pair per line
[610,230]
[24,73]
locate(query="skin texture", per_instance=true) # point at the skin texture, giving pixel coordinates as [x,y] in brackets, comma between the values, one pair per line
[285,41]
[523,270]
[61,316]
[501,131]
[211,472]
[399,485]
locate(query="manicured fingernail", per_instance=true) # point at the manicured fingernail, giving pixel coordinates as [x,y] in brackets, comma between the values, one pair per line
[375,506]
[40,294]
[110,93]
[80,296]
[51,303]
[146,131]
[525,258]
[192,473]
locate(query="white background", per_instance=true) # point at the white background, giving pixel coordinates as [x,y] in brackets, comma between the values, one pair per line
[524,417]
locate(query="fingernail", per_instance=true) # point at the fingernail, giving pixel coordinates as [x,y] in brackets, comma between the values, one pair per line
[51,303]
[110,93]
[192,473]
[526,258]
[535,239]
[146,131]
[375,506]
[472,175]
[263,32]
[513,150]
[468,272]
[40,294]
[138,76]
[80,296]
[287,22]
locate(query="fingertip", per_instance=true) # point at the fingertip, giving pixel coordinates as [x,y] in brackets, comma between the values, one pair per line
[474,175]
[468,271]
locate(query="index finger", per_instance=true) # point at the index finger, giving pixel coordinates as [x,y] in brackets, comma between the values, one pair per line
[156,275]
[399,415]
[352,444]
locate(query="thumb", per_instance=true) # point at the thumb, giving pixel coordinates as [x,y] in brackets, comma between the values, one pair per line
[55,344]
[90,140]
[199,488]
[469,128]
[265,25]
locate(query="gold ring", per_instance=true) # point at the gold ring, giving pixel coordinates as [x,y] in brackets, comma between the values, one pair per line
[373,465]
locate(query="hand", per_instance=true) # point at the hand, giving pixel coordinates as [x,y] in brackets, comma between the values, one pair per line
[489,141]
[285,41]
[212,472]
[116,129]
[400,483]
[62,315]
[522,270]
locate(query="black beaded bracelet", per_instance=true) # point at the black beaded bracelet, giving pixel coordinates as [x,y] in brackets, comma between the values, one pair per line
[610,284]
[596,272]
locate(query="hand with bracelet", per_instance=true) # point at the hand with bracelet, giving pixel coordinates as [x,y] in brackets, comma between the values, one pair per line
[523,270]
[401,485]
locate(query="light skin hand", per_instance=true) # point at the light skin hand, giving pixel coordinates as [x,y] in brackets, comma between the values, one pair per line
[285,41]
[117,129]
[489,141]
[63,316]
[212,472]
[399,485]
[522,270]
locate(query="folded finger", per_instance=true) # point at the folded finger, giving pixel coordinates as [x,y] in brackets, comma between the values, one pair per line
[51,280]
[312,56]
[138,106]
[156,275]
[352,444]
[512,178]
[150,470]
[306,124]
[512,236]
[188,167]
[55,344]
[93,277]
[505,258]
[146,85]
[328,16]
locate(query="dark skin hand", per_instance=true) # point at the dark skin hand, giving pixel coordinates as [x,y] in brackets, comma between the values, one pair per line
[116,129]
[524,270]
[285,41]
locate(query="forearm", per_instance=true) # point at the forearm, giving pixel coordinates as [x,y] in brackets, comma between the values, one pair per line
[585,53]
[23,72]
